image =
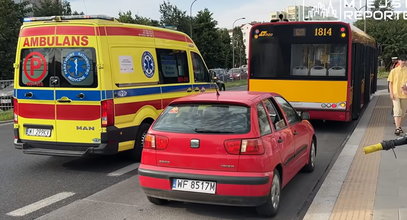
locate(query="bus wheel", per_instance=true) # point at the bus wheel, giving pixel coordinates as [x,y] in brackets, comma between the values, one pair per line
[135,153]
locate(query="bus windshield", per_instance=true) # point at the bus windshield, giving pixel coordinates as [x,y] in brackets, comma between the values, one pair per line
[299,51]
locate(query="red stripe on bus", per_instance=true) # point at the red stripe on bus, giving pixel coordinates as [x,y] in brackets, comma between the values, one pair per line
[132,108]
[78,112]
[75,30]
[39,111]
[37,31]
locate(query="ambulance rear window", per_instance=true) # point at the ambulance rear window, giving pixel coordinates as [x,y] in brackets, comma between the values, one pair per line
[58,67]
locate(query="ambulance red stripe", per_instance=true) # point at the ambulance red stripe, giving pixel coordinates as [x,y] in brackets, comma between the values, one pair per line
[58,30]
[75,30]
[83,112]
[37,31]
[171,36]
[78,112]
[131,108]
[102,31]
[38,111]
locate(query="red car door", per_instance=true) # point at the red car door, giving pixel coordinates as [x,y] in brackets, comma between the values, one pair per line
[283,139]
[299,131]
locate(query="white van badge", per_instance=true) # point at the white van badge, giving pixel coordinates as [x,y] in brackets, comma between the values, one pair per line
[147,61]
[76,66]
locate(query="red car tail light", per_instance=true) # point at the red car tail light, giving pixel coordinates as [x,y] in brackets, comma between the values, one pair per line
[244,147]
[107,113]
[232,146]
[155,142]
[252,146]
[15,104]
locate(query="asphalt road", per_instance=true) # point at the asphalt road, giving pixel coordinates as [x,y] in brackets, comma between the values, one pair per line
[27,179]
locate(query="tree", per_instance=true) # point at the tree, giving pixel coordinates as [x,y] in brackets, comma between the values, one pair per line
[9,29]
[174,17]
[207,38]
[391,35]
[225,49]
[127,17]
[52,7]
[239,47]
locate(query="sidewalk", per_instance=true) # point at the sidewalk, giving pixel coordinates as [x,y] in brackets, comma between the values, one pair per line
[363,186]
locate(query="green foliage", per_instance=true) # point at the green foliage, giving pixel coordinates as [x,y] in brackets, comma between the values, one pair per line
[239,47]
[235,83]
[6,115]
[207,38]
[391,35]
[52,7]
[214,44]
[127,17]
[171,16]
[225,49]
[9,29]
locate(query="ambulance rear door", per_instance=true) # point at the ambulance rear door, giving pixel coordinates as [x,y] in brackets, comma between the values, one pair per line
[35,95]
[78,96]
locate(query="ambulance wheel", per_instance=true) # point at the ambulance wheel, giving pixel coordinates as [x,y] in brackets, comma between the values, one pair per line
[135,153]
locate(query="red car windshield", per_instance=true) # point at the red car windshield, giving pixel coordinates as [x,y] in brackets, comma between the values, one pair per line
[204,118]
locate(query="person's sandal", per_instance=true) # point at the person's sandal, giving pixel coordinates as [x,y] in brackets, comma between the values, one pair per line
[398,131]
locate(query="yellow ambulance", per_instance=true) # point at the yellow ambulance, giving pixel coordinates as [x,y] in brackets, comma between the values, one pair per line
[92,85]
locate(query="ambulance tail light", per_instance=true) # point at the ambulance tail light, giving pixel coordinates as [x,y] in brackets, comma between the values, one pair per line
[107,113]
[15,104]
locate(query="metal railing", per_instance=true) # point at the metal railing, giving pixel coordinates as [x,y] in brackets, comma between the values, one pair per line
[6,94]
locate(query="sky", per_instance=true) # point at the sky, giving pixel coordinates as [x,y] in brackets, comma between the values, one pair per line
[225,12]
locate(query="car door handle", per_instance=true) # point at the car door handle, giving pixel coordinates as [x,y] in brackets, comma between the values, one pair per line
[64,99]
[81,95]
[28,94]
[280,140]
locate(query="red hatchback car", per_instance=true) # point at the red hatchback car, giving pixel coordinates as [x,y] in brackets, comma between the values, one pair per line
[236,148]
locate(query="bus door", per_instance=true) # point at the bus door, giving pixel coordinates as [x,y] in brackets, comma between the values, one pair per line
[357,79]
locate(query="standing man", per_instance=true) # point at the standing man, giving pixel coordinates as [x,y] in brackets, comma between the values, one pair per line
[398,92]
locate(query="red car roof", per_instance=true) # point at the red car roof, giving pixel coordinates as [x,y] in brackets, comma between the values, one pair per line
[238,97]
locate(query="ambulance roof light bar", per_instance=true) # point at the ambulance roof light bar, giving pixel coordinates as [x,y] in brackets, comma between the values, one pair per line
[68,17]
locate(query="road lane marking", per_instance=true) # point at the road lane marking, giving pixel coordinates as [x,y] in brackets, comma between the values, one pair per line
[40,204]
[124,170]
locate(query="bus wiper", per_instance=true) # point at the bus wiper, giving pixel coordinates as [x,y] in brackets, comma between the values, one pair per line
[200,130]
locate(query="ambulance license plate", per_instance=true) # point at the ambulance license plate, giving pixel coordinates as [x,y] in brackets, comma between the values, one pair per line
[39,132]
[194,186]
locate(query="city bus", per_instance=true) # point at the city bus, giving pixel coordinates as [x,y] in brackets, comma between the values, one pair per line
[328,69]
